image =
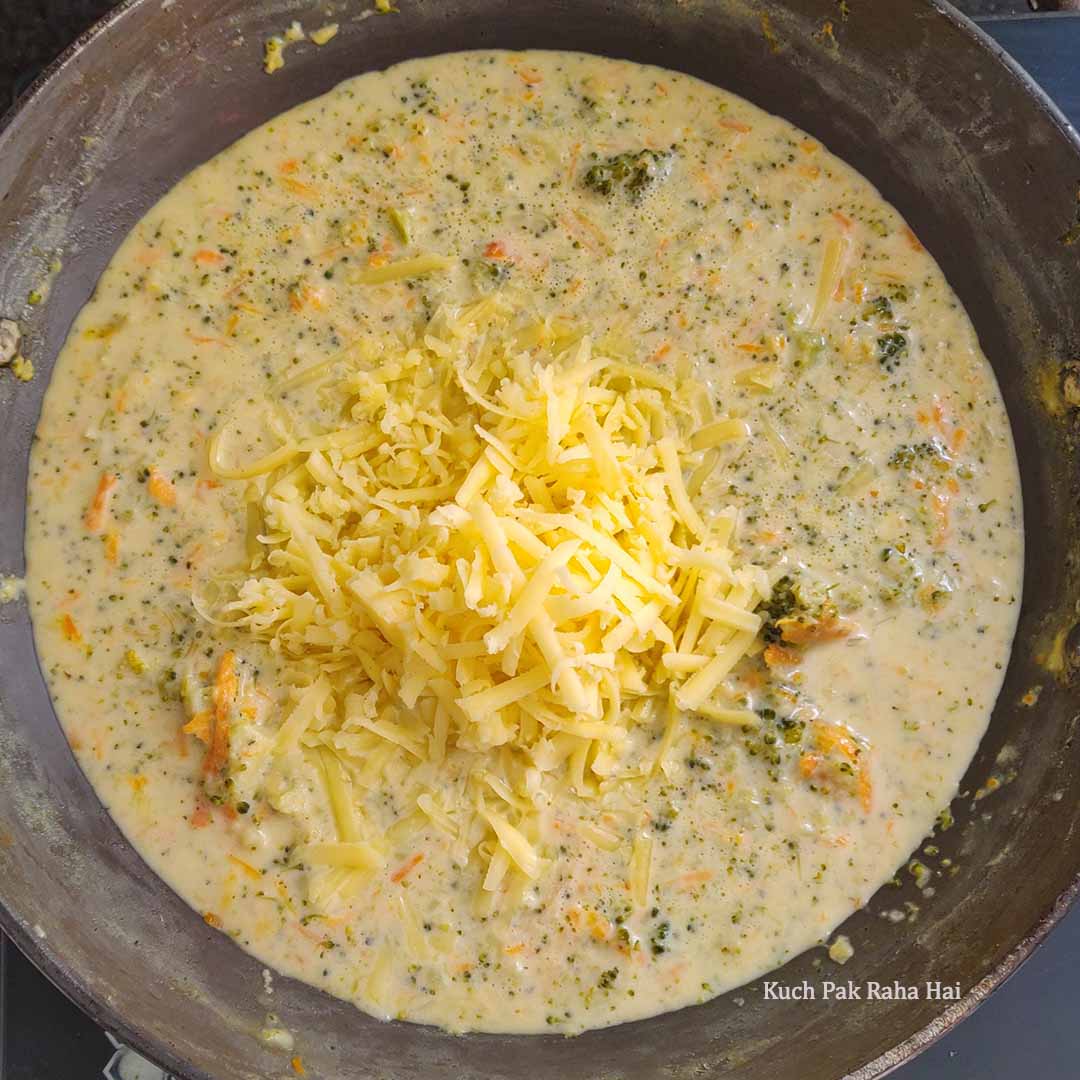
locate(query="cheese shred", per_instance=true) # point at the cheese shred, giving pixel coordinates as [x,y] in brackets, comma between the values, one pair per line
[491,556]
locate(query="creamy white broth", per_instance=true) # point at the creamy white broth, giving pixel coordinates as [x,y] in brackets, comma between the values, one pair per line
[879,469]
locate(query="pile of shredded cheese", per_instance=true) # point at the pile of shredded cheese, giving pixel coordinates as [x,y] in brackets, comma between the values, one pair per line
[492,569]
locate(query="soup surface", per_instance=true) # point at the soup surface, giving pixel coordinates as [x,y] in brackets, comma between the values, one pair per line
[255,408]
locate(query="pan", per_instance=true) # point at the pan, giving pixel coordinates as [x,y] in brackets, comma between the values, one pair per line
[988,174]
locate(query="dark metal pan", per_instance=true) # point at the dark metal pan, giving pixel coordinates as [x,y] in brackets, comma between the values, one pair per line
[986,171]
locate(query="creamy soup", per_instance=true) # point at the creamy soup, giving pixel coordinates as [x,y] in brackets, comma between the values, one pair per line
[524,542]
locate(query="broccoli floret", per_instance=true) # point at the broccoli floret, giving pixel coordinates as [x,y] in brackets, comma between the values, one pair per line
[907,457]
[878,308]
[489,274]
[792,730]
[659,940]
[634,173]
[891,347]
[785,602]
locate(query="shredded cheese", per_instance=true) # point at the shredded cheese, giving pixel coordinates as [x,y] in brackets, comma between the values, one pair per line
[495,558]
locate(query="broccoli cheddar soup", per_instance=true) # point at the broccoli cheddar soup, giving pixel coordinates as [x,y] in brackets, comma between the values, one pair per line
[524,542]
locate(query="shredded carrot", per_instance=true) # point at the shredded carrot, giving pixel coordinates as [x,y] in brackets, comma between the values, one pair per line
[161,488]
[201,817]
[246,867]
[137,782]
[586,231]
[495,250]
[829,737]
[913,241]
[778,656]
[811,172]
[600,927]
[735,125]
[843,219]
[298,1067]
[402,871]
[290,165]
[224,693]
[69,629]
[865,790]
[575,153]
[112,547]
[660,353]
[940,502]
[530,76]
[208,257]
[298,187]
[99,505]
[809,631]
[213,920]
[199,726]
[202,339]
[808,764]
[513,950]
[694,877]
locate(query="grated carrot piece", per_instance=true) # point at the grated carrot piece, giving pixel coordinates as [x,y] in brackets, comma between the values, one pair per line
[402,871]
[161,488]
[99,505]
[224,692]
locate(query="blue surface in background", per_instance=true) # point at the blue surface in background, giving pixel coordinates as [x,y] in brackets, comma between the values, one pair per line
[1030,1027]
[1049,47]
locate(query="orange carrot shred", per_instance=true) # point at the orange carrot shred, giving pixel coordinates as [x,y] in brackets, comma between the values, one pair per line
[161,488]
[298,1067]
[913,241]
[70,630]
[224,693]
[112,547]
[99,505]
[400,873]
[199,726]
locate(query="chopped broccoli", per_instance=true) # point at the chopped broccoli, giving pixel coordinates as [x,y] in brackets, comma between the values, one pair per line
[785,602]
[659,939]
[808,346]
[878,308]
[908,456]
[634,172]
[792,730]
[891,347]
[488,273]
